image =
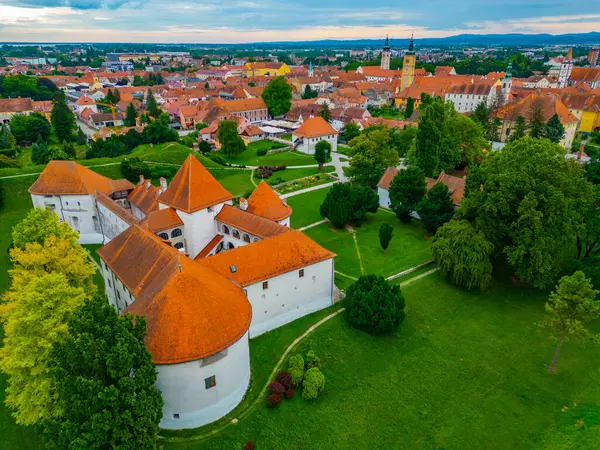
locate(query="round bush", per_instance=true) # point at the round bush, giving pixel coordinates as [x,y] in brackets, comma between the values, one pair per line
[285,379]
[276,388]
[313,384]
[273,400]
[261,152]
[289,393]
[312,360]
[296,369]
[373,305]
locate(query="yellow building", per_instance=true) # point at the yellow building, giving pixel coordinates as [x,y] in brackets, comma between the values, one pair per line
[408,66]
[260,69]
[590,121]
[586,107]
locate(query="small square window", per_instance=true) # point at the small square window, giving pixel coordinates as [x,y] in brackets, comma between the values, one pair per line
[301,273]
[265,285]
[210,382]
[175,416]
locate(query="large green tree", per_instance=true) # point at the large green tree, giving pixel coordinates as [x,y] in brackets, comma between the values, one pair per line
[231,142]
[347,202]
[151,105]
[28,128]
[104,380]
[436,208]
[322,153]
[468,137]
[351,131]
[520,129]
[371,153]
[130,115]
[410,108]
[62,118]
[531,205]
[554,129]
[536,121]
[406,191]
[570,307]
[277,95]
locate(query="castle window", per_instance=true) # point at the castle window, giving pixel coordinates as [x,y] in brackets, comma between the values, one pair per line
[164,236]
[265,285]
[301,273]
[210,382]
[175,416]
[246,238]
[178,245]
[225,229]
[176,233]
[236,234]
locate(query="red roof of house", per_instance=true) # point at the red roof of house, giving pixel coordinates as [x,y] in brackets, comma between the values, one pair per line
[315,127]
[163,219]
[245,221]
[265,202]
[387,177]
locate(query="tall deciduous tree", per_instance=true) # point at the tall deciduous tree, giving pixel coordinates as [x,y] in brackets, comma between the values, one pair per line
[277,95]
[436,208]
[536,122]
[554,129]
[231,142]
[28,128]
[351,131]
[105,380]
[406,191]
[322,153]
[371,154]
[570,307]
[62,118]
[346,202]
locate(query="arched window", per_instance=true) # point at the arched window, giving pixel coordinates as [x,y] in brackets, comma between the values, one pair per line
[236,234]
[178,245]
[230,246]
[256,240]
[164,236]
[176,233]
[246,238]
[225,229]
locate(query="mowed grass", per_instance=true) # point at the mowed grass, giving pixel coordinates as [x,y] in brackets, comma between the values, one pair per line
[283,176]
[236,181]
[169,153]
[464,371]
[286,158]
[305,207]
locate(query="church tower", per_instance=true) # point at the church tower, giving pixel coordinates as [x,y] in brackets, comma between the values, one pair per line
[506,85]
[408,66]
[386,55]
[565,70]
[311,70]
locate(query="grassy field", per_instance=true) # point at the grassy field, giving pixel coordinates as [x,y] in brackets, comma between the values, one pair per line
[464,371]
[305,207]
[293,174]
[236,181]
[287,158]
[169,153]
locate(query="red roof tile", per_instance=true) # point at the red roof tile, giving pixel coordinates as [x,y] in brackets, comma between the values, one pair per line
[265,202]
[250,223]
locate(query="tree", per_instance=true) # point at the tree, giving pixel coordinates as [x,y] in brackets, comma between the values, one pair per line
[206,85]
[374,305]
[554,129]
[410,107]
[296,369]
[313,384]
[69,149]
[231,142]
[536,122]
[386,232]
[325,112]
[105,380]
[351,131]
[110,98]
[130,116]
[159,131]
[151,105]
[39,224]
[570,307]
[520,129]
[531,205]
[277,95]
[39,152]
[468,137]
[436,208]
[322,153]
[7,139]
[371,153]
[81,137]
[28,128]
[309,93]
[34,316]
[204,147]
[347,202]
[63,120]
[406,191]
[481,115]
[132,168]
[463,254]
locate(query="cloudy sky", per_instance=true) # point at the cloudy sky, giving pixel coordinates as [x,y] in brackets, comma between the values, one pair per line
[228,21]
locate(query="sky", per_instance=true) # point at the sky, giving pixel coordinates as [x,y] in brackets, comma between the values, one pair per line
[238,21]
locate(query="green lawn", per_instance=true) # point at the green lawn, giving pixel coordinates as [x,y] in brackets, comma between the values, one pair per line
[292,174]
[464,371]
[305,207]
[169,153]
[236,181]
[287,158]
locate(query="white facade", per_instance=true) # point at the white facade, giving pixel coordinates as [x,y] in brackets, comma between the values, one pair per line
[565,72]
[191,399]
[384,197]
[287,297]
[307,145]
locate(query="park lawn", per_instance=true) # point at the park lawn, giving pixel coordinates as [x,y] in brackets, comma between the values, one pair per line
[286,158]
[169,153]
[305,207]
[340,242]
[464,371]
[283,176]
[236,181]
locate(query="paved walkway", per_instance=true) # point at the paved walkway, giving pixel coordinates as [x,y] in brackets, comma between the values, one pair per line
[316,224]
[313,188]
[339,165]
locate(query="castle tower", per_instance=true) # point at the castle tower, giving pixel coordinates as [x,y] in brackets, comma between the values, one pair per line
[386,55]
[506,85]
[408,67]
[565,70]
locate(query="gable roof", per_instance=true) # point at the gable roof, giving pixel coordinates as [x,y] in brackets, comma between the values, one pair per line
[68,177]
[144,196]
[314,127]
[245,221]
[387,177]
[15,105]
[288,251]
[163,219]
[265,202]
[84,100]
[548,104]
[193,188]
[191,311]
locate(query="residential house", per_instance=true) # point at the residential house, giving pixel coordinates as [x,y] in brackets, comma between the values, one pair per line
[314,130]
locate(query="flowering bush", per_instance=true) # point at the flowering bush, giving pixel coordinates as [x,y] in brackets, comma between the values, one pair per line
[273,400]
[285,379]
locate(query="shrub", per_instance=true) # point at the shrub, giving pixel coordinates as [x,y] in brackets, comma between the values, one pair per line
[273,400]
[373,305]
[313,384]
[276,388]
[204,147]
[285,379]
[261,152]
[249,445]
[348,202]
[160,171]
[6,162]
[296,369]
[217,158]
[312,360]
[289,393]
[386,232]
[132,168]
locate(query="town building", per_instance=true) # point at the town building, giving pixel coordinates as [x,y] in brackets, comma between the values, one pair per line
[313,130]
[408,67]
[566,68]
[385,55]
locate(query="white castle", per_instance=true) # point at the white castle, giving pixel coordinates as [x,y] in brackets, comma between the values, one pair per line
[206,275]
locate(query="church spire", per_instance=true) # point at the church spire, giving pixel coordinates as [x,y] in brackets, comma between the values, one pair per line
[387,43]
[411,45]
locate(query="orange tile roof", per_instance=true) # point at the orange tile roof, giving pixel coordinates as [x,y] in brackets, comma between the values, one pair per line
[163,219]
[585,74]
[144,197]
[15,105]
[245,221]
[193,188]
[286,252]
[191,311]
[548,104]
[456,185]
[245,104]
[85,100]
[315,127]
[387,177]
[209,247]
[68,177]
[374,71]
[115,208]
[265,202]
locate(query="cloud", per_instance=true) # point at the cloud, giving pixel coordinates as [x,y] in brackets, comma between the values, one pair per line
[11,15]
[77,4]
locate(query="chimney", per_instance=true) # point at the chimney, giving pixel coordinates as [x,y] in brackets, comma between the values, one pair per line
[243,204]
[141,179]
[163,184]
[148,184]
[580,152]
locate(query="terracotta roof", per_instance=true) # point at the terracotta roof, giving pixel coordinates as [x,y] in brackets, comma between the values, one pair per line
[191,311]
[15,105]
[84,100]
[144,197]
[252,130]
[386,179]
[68,177]
[209,247]
[456,186]
[374,71]
[265,202]
[479,88]
[286,252]
[194,188]
[314,127]
[585,74]
[246,104]
[245,221]
[548,104]
[115,208]
[163,219]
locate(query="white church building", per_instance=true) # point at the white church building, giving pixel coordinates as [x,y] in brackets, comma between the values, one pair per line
[206,275]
